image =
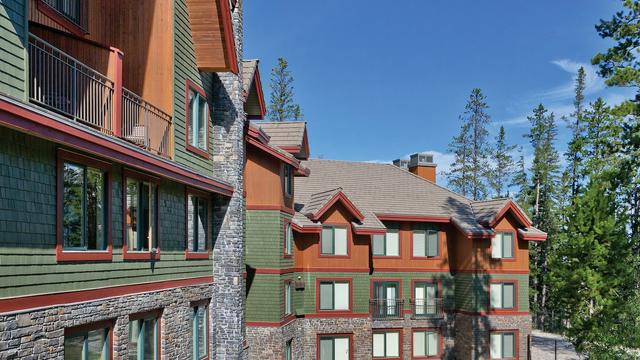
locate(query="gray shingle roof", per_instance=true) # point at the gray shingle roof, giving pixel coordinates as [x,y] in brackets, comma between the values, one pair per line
[248,71]
[319,200]
[486,210]
[284,133]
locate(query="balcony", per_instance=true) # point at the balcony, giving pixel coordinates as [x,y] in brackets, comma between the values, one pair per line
[62,84]
[427,309]
[386,309]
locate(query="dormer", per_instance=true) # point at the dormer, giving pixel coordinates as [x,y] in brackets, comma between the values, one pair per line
[254,105]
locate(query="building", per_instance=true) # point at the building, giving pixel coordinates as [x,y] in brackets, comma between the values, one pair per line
[351,261]
[121,158]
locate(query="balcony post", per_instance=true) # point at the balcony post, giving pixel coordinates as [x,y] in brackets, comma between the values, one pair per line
[115,73]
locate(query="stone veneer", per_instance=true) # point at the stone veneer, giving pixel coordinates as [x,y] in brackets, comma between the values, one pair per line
[480,328]
[39,334]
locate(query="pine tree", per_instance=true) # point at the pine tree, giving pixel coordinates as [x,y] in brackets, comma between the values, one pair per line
[574,148]
[521,183]
[503,168]
[281,106]
[458,175]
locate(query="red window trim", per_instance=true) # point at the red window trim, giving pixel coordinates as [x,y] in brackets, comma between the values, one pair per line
[139,255]
[349,240]
[336,335]
[207,303]
[283,181]
[400,343]
[515,246]
[157,313]
[285,316]
[190,85]
[104,324]
[286,223]
[440,245]
[439,295]
[516,334]
[90,255]
[440,343]
[61,20]
[348,280]
[400,248]
[197,255]
[515,307]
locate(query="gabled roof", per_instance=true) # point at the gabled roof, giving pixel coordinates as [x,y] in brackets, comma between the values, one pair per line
[290,136]
[322,201]
[489,212]
[256,137]
[532,233]
[254,104]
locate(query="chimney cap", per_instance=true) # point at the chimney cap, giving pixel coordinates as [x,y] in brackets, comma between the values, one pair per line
[401,163]
[421,159]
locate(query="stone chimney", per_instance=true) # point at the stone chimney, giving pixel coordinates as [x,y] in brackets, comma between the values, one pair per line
[423,166]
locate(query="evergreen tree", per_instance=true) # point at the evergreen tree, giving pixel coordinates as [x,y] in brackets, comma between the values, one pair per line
[503,168]
[281,106]
[458,175]
[574,148]
[521,182]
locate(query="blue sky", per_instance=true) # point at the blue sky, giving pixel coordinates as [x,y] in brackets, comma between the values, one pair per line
[378,80]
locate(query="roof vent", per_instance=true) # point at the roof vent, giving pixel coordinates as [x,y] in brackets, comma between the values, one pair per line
[422,165]
[401,163]
[421,159]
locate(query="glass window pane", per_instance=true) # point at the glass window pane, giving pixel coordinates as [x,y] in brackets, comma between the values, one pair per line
[378,244]
[507,245]
[143,217]
[496,246]
[326,349]
[203,111]
[149,339]
[419,343]
[340,241]
[419,243]
[135,329]
[73,347]
[419,298]
[341,301]
[327,240]
[432,344]
[508,345]
[288,353]
[96,345]
[392,244]
[508,291]
[96,210]
[287,305]
[151,214]
[393,344]
[203,213]
[341,348]
[496,346]
[132,214]
[73,205]
[326,296]
[193,106]
[191,213]
[378,345]
[496,295]
[432,244]
[202,331]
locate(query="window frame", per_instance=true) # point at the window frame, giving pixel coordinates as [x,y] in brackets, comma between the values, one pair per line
[287,235]
[414,285]
[194,306]
[502,282]
[105,324]
[62,255]
[400,343]
[438,332]
[288,298]
[192,86]
[133,254]
[333,226]
[287,180]
[189,253]
[288,350]
[385,256]
[334,336]
[514,243]
[516,339]
[78,29]
[348,281]
[439,244]
[153,314]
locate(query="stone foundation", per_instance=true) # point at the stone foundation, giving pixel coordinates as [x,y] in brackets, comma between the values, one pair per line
[476,347]
[39,334]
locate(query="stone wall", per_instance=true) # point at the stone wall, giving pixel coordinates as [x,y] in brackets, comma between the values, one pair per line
[477,346]
[39,334]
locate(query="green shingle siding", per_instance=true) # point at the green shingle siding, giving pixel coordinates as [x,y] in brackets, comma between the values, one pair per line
[472,291]
[264,298]
[265,239]
[13,44]
[27,229]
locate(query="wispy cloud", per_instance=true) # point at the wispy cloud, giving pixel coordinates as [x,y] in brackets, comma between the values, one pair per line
[442,160]
[593,82]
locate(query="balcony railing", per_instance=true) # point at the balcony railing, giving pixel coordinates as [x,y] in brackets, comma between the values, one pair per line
[145,125]
[61,83]
[386,308]
[421,308]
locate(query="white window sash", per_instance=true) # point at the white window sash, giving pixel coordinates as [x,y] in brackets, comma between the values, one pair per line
[496,295]
[496,246]
[340,241]
[392,243]
[341,296]
[419,244]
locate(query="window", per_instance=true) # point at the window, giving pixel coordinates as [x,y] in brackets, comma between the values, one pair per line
[387,245]
[141,215]
[386,301]
[288,292]
[288,180]
[334,295]
[334,348]
[288,351]
[197,223]
[85,207]
[199,321]
[144,337]
[288,239]
[386,344]
[426,343]
[503,345]
[502,295]
[73,11]
[334,241]
[425,243]
[197,120]
[87,344]
[425,298]
[502,246]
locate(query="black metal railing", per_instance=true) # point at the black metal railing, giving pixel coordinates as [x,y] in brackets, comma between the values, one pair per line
[145,125]
[386,308]
[426,308]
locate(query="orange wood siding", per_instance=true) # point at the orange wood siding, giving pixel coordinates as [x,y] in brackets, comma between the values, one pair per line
[425,172]
[263,180]
[207,28]
[142,30]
